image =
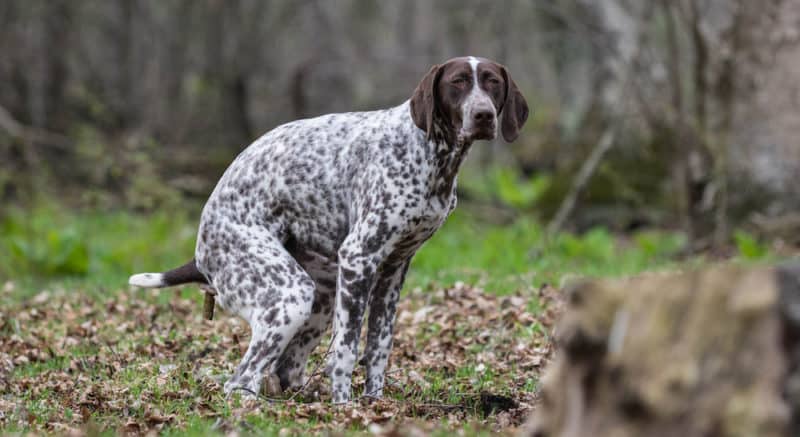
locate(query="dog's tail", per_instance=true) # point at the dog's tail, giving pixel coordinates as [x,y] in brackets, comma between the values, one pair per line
[180,275]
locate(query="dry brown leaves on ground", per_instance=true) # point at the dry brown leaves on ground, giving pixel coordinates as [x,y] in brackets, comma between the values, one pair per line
[139,361]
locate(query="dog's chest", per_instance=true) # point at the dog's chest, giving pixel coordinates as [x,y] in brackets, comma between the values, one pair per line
[423,220]
[417,203]
[433,212]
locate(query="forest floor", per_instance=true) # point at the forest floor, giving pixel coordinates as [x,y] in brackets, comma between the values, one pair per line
[146,360]
[89,355]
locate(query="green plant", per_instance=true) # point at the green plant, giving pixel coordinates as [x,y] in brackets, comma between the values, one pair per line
[50,253]
[47,242]
[517,191]
[655,244]
[508,186]
[749,246]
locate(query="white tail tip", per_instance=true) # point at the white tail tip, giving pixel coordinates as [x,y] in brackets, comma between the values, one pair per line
[147,280]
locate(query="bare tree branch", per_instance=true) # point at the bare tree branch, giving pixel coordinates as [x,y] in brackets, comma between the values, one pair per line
[30,134]
[579,183]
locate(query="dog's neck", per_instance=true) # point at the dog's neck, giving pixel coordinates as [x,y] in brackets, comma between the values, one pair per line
[449,157]
[446,153]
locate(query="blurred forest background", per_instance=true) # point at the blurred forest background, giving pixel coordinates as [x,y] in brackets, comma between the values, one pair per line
[676,114]
[664,134]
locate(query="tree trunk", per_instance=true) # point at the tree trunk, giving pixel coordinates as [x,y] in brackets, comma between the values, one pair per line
[691,354]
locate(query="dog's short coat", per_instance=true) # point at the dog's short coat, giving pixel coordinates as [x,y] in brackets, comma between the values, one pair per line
[319,219]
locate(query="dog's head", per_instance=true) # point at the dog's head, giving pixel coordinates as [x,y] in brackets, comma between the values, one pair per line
[467,99]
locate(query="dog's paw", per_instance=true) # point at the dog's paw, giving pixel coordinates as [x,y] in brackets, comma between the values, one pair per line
[339,397]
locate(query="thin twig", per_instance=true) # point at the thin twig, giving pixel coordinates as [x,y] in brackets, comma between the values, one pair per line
[579,183]
[258,395]
[314,374]
[387,376]
[316,371]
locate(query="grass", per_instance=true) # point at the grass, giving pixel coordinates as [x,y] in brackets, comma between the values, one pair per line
[96,248]
[101,249]
[88,352]
[507,258]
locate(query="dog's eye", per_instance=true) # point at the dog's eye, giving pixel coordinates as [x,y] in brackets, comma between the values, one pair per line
[459,81]
[493,81]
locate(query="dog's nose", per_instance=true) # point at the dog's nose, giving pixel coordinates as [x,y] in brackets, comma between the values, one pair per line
[483,116]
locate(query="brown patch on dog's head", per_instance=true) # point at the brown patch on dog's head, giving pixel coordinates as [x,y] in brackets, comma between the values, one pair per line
[462,99]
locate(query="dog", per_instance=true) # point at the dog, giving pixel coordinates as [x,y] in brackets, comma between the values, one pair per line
[317,221]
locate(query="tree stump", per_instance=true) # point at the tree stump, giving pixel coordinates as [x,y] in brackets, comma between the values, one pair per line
[701,353]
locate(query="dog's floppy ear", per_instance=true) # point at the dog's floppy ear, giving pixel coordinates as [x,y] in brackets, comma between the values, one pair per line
[514,111]
[423,102]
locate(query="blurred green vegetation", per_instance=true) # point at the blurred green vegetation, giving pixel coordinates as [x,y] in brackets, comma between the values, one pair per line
[47,243]
[507,186]
[748,246]
[519,255]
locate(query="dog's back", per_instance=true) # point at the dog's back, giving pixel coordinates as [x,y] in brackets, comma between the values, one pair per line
[298,180]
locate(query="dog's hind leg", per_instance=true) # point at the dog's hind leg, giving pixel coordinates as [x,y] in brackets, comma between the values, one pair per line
[292,365]
[267,287]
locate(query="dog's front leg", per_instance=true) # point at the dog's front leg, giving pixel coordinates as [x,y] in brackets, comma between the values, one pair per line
[382,310]
[358,268]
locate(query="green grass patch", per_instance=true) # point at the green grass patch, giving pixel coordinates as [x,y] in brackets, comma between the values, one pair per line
[506,258]
[102,248]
